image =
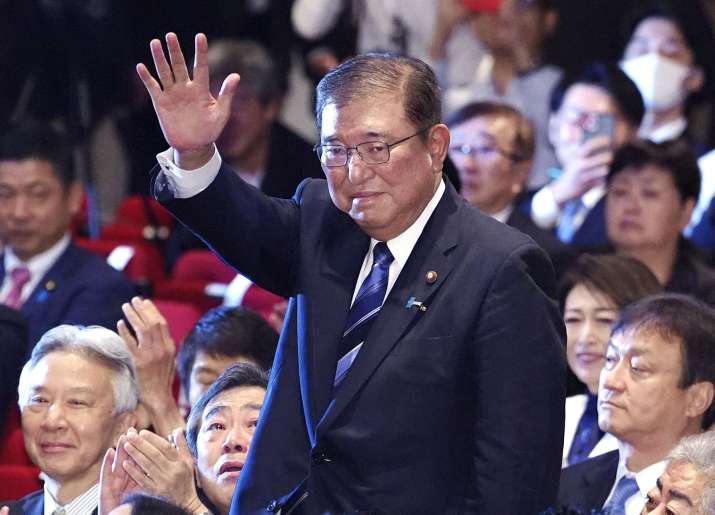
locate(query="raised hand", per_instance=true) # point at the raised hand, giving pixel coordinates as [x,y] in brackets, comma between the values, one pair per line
[587,169]
[114,482]
[190,117]
[153,351]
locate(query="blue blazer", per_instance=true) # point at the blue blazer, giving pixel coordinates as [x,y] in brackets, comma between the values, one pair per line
[31,504]
[456,409]
[80,288]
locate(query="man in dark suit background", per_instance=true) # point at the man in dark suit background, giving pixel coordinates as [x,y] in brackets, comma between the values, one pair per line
[77,394]
[657,387]
[492,146]
[42,273]
[421,366]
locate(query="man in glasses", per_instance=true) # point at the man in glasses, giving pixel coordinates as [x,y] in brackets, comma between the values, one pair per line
[421,366]
[492,146]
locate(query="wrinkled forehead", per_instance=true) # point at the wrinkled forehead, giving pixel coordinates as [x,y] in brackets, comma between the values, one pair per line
[241,398]
[493,126]
[380,115]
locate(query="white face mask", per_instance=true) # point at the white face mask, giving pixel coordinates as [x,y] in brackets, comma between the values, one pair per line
[659,79]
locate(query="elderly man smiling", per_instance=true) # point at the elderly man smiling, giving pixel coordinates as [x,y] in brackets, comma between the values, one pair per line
[77,394]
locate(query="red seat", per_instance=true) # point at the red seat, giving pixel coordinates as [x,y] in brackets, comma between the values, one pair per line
[16,481]
[139,220]
[261,301]
[12,445]
[145,265]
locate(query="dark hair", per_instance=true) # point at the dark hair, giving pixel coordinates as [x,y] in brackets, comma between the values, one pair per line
[684,320]
[239,375]
[252,62]
[621,278]
[610,78]
[672,156]
[31,139]
[143,504]
[688,18]
[373,74]
[524,142]
[225,331]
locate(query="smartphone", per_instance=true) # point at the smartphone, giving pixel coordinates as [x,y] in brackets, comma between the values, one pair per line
[601,124]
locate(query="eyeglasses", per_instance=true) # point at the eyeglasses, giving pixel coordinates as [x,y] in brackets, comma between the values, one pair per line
[484,152]
[371,152]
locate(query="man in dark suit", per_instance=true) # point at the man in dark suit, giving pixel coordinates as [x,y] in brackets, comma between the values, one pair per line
[657,387]
[45,276]
[492,146]
[77,395]
[420,339]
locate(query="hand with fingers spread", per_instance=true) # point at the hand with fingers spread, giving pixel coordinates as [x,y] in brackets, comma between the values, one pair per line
[190,117]
[153,351]
[588,168]
[163,469]
[114,482]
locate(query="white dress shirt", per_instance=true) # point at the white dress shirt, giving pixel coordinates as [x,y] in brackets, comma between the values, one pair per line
[83,504]
[646,480]
[546,213]
[37,265]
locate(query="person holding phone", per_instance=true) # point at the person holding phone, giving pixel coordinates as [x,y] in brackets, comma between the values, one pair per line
[592,114]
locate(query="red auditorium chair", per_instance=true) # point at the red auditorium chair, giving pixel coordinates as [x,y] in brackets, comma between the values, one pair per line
[139,219]
[16,481]
[146,266]
[12,445]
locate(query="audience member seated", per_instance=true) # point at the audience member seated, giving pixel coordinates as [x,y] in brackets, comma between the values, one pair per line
[492,147]
[42,272]
[652,189]
[592,114]
[664,56]
[13,348]
[656,387]
[145,331]
[514,33]
[222,337]
[77,394]
[218,436]
[139,504]
[687,487]
[592,293]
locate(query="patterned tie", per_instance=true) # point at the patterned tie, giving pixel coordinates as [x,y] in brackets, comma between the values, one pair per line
[19,277]
[625,489]
[365,309]
[59,511]
[587,433]
[567,227]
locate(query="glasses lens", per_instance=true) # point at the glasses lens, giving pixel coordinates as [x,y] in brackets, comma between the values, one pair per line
[374,152]
[332,155]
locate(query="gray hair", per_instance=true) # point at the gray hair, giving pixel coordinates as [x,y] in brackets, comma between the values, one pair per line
[699,451]
[96,343]
[372,74]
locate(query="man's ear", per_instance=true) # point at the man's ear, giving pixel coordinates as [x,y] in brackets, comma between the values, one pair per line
[75,194]
[695,80]
[686,213]
[272,109]
[437,145]
[700,397]
[521,170]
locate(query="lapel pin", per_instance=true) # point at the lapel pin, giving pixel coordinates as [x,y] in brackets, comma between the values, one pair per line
[411,302]
[50,285]
[431,277]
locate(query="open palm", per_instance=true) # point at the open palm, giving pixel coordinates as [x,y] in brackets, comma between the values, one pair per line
[190,117]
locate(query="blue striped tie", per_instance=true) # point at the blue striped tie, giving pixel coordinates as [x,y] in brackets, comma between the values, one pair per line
[625,489]
[365,308]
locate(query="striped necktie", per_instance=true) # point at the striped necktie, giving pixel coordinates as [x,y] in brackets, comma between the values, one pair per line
[19,277]
[365,308]
[625,489]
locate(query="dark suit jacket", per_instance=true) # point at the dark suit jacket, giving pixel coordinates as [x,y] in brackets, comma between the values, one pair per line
[80,288]
[457,409]
[561,255]
[13,346]
[31,504]
[586,485]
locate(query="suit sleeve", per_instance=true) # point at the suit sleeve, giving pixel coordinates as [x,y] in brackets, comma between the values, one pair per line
[520,379]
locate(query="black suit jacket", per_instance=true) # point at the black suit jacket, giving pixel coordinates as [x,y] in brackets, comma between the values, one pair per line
[13,346]
[457,409]
[586,485]
[80,288]
[31,504]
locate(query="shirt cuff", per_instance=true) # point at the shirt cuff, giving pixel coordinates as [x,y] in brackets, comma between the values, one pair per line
[187,183]
[545,211]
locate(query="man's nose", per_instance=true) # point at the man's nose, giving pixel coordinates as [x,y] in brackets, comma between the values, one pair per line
[236,440]
[20,207]
[55,417]
[613,378]
[358,170]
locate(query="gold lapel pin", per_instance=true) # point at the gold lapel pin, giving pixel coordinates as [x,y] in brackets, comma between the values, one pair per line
[50,285]
[431,277]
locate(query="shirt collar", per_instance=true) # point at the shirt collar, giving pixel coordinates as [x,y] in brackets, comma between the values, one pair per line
[503,215]
[646,478]
[401,246]
[667,131]
[39,264]
[83,504]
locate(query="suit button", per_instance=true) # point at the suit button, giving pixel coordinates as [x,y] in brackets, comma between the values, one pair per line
[272,506]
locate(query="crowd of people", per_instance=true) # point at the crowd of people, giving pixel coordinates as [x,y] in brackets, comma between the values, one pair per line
[492,278]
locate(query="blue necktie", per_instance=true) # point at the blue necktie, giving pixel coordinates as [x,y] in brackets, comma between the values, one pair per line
[587,433]
[567,227]
[365,309]
[625,489]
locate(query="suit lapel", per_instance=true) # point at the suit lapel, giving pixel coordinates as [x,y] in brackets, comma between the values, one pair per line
[429,255]
[49,283]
